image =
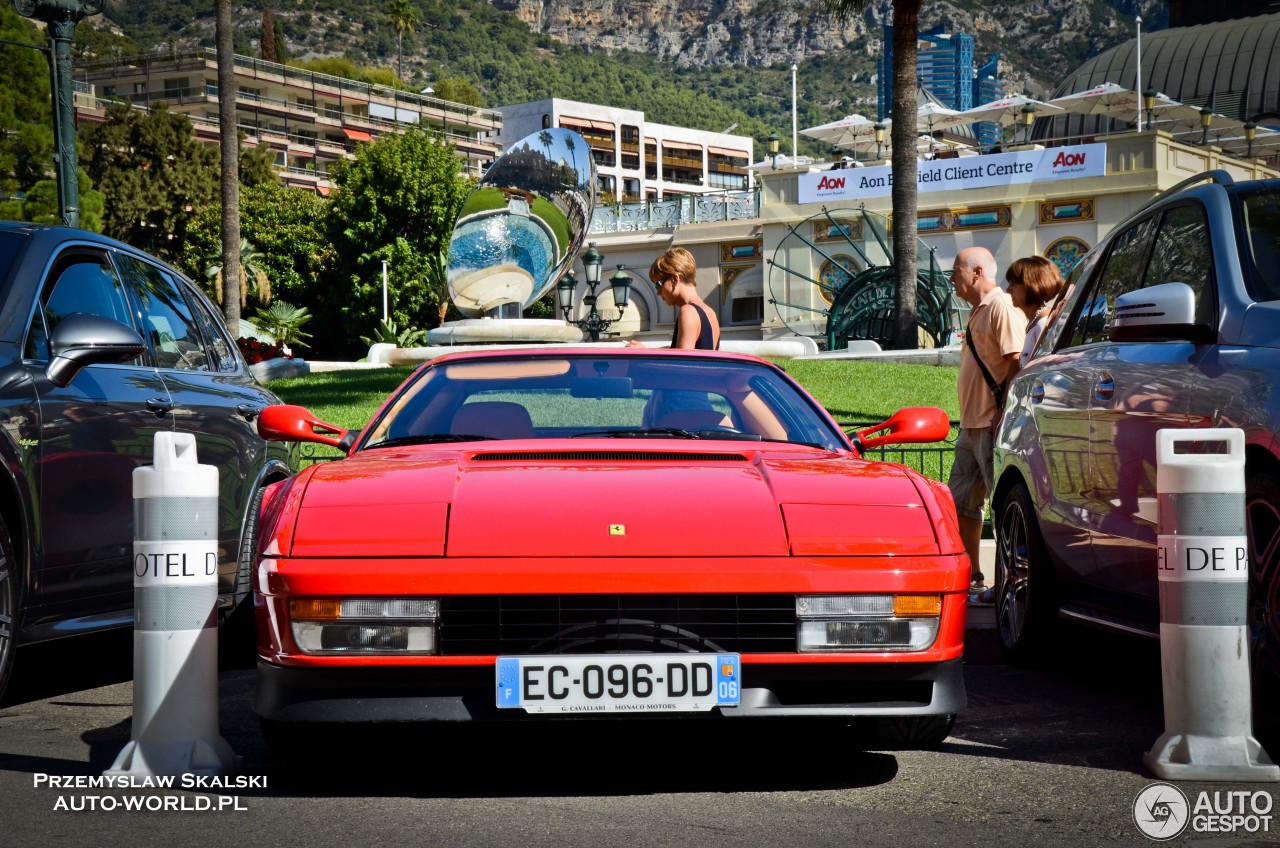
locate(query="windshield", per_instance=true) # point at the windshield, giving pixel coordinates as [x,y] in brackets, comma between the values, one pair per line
[1259,234]
[594,396]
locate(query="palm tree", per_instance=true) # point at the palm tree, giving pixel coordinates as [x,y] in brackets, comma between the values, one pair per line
[545,137]
[404,19]
[249,267]
[283,321]
[568,142]
[438,283]
[229,144]
[906,27]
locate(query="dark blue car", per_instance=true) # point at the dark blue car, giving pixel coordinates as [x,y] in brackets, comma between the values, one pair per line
[101,346]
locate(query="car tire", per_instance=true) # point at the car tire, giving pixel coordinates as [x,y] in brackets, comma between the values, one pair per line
[903,733]
[239,631]
[1262,504]
[10,606]
[1025,602]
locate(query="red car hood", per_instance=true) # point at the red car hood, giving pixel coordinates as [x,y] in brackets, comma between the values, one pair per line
[533,499]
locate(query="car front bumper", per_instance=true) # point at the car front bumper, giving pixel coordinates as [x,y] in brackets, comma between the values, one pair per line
[467,693]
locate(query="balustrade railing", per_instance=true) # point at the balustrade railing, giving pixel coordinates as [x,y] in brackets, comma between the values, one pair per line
[685,209]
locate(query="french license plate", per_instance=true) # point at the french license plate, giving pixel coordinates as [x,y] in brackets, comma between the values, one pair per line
[620,683]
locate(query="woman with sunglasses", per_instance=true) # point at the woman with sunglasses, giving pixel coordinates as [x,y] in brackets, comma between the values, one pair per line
[675,275]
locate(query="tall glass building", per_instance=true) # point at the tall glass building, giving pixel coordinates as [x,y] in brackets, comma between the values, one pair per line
[945,68]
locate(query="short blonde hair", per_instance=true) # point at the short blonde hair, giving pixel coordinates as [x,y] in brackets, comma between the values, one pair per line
[677,260]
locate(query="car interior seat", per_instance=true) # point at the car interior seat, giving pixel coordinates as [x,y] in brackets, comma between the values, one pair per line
[495,419]
[694,419]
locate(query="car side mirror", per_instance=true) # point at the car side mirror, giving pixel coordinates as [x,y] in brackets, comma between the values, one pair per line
[912,425]
[287,423]
[1166,311]
[81,339]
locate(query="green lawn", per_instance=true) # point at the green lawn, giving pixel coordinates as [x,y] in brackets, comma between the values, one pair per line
[853,391]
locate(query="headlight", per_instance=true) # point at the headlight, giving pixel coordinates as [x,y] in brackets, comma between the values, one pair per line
[365,626]
[867,622]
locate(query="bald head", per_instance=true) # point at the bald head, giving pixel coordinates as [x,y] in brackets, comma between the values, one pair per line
[973,274]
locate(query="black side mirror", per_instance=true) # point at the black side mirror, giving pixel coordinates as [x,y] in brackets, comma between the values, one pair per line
[81,339]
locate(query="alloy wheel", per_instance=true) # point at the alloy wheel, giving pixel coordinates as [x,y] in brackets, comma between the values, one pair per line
[1012,574]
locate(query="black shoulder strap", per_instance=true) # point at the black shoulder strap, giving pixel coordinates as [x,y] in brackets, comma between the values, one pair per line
[992,386]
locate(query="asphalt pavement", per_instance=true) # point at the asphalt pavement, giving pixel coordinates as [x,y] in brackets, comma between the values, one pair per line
[1043,756]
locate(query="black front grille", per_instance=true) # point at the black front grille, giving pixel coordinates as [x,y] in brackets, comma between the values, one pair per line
[594,624]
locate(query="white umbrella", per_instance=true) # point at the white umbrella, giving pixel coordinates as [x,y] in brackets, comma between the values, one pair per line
[933,116]
[1006,111]
[842,132]
[1170,111]
[1108,99]
[1239,145]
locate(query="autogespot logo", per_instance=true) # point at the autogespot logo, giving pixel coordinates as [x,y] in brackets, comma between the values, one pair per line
[1161,811]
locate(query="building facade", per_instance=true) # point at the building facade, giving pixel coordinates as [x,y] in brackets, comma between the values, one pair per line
[635,159]
[763,275]
[308,120]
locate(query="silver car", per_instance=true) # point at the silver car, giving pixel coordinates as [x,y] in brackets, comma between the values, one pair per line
[1074,505]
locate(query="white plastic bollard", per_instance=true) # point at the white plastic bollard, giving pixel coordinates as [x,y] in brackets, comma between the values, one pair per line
[1203,563]
[175,635]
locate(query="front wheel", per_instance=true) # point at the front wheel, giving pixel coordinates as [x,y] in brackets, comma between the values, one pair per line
[1025,603]
[239,635]
[1262,505]
[10,603]
[905,733]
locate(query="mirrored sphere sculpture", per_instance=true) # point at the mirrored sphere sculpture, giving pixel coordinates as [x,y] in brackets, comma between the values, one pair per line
[522,225]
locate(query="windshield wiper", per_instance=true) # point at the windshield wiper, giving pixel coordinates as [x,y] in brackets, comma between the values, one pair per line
[649,433]
[430,439]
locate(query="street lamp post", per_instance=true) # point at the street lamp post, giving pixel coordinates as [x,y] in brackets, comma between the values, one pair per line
[1206,119]
[1149,103]
[773,149]
[595,322]
[879,131]
[1250,131]
[1028,120]
[60,18]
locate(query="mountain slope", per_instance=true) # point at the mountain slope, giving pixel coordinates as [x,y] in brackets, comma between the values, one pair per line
[700,63]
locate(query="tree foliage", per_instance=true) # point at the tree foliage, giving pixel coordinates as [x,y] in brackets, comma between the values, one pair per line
[457,90]
[152,172]
[286,225]
[397,200]
[267,40]
[26,109]
[40,204]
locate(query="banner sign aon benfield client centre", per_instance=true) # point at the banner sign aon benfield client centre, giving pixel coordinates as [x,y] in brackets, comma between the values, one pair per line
[965,172]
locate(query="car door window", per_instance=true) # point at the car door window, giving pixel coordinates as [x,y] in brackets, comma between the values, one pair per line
[1072,291]
[1123,272]
[1258,216]
[1183,255]
[79,281]
[167,321]
[222,355]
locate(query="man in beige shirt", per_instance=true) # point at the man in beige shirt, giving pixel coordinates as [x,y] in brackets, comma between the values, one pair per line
[998,330]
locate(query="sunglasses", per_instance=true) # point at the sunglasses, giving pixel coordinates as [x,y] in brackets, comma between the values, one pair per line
[658,284]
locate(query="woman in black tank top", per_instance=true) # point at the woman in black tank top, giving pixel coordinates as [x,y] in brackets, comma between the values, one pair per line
[675,275]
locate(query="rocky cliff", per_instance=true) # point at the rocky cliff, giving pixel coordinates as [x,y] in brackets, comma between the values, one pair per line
[1040,40]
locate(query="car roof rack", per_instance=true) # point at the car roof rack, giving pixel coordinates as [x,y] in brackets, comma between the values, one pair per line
[1218,176]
